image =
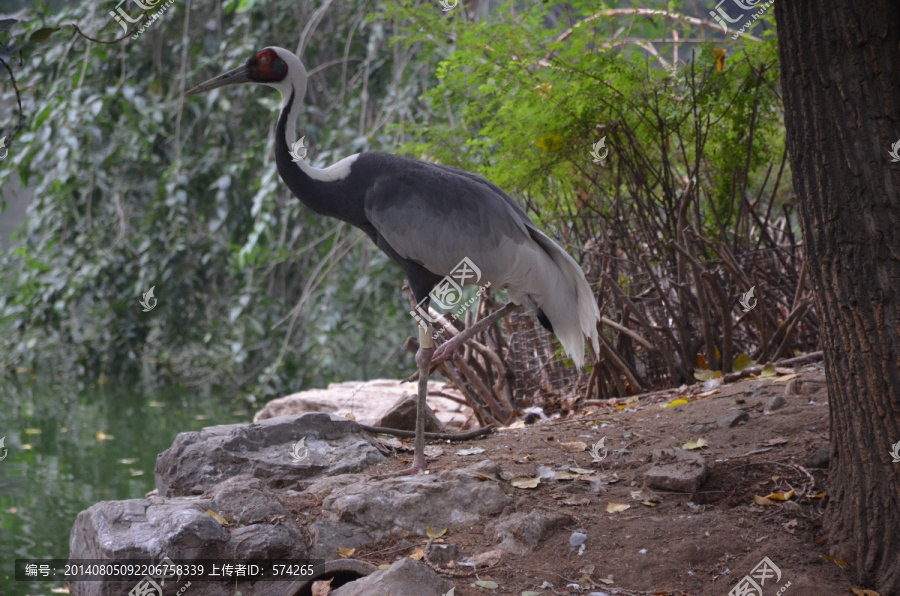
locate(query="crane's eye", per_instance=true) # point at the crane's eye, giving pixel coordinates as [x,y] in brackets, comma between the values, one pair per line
[264,60]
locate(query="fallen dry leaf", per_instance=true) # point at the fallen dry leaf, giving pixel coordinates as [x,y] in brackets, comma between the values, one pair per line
[741,362]
[417,554]
[839,562]
[470,451]
[322,587]
[345,552]
[762,500]
[488,558]
[432,533]
[775,441]
[789,526]
[617,507]
[574,446]
[698,444]
[785,378]
[781,496]
[487,584]
[677,402]
[217,517]
[861,592]
[525,482]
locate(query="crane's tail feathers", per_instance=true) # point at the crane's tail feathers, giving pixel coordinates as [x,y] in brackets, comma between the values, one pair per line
[572,310]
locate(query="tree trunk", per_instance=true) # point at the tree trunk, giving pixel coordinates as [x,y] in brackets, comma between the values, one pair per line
[840,63]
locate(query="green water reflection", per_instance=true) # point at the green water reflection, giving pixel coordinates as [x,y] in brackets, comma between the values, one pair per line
[68,449]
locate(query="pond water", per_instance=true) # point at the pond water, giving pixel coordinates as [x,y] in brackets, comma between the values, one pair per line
[67,449]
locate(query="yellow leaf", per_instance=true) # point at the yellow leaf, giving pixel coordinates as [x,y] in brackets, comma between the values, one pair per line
[217,517]
[487,584]
[649,503]
[102,436]
[762,500]
[581,471]
[551,143]
[564,476]
[678,402]
[350,416]
[785,378]
[33,431]
[432,533]
[816,496]
[692,444]
[781,496]
[384,566]
[617,507]
[345,552]
[768,371]
[417,554]
[741,362]
[718,353]
[861,592]
[525,482]
[720,60]
[701,362]
[839,562]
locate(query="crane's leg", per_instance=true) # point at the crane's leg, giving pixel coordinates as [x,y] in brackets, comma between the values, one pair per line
[447,349]
[423,359]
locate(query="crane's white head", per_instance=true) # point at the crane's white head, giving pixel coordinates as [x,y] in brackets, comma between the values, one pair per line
[272,66]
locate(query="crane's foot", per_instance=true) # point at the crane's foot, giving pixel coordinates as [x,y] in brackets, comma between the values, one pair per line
[445,352]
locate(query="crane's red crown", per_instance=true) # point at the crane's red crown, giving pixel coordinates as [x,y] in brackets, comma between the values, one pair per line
[267,67]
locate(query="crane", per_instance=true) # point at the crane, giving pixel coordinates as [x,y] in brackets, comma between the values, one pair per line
[428,218]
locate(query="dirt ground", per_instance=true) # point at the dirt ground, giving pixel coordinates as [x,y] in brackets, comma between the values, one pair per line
[677,543]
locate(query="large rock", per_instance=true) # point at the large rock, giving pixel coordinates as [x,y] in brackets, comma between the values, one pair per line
[368,401]
[402,416]
[182,530]
[256,484]
[450,498]
[404,578]
[197,461]
[521,533]
[677,470]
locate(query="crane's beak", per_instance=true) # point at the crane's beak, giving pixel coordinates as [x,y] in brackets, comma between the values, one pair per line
[232,77]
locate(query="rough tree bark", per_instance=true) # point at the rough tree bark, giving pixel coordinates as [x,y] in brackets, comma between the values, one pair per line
[840,63]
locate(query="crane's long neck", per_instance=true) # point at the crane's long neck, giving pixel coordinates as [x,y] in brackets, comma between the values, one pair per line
[329,191]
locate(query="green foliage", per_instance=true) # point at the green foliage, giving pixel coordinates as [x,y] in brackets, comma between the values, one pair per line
[135,186]
[523,96]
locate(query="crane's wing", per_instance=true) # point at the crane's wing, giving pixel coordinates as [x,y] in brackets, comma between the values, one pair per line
[436,216]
